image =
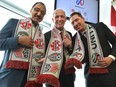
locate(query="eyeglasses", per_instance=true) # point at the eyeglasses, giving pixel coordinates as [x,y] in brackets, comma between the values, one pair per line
[39,10]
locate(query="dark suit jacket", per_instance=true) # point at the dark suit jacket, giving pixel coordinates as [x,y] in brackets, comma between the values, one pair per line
[62,73]
[105,36]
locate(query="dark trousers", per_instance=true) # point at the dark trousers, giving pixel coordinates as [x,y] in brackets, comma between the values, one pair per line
[69,84]
[101,80]
[65,81]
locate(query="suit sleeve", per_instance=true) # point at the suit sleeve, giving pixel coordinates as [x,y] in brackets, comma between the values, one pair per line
[111,38]
[47,39]
[7,39]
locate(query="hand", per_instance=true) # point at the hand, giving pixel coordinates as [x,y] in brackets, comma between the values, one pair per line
[26,41]
[67,42]
[105,62]
[41,60]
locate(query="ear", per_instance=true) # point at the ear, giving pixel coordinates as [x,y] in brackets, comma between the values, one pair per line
[83,18]
[53,19]
[31,10]
[65,19]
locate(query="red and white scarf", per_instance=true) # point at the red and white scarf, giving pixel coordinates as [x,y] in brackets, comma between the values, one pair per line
[25,58]
[77,56]
[53,60]
[95,51]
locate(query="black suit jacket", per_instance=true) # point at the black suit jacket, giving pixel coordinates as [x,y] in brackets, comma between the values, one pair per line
[107,38]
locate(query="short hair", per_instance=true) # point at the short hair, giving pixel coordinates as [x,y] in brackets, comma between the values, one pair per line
[58,10]
[76,13]
[40,3]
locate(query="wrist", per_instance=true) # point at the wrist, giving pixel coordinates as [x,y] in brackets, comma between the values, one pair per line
[112,57]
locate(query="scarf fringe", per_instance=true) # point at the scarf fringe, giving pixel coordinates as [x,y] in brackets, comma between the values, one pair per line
[73,62]
[17,64]
[70,70]
[33,84]
[47,78]
[98,70]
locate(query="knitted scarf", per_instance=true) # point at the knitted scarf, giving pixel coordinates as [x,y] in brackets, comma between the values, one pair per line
[25,58]
[95,51]
[78,54]
[53,60]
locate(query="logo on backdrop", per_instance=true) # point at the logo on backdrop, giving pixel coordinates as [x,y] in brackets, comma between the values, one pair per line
[80,2]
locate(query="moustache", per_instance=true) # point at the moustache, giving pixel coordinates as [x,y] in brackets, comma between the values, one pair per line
[39,17]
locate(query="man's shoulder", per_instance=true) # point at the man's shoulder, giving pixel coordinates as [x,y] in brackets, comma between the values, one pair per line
[13,20]
[68,31]
[98,24]
[48,32]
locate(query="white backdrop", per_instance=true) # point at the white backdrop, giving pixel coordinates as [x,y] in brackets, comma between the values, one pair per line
[105,8]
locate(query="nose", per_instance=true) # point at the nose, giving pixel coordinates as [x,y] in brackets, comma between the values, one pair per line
[38,13]
[75,24]
[59,18]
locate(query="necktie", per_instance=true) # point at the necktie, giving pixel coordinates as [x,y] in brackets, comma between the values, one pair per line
[61,33]
[84,34]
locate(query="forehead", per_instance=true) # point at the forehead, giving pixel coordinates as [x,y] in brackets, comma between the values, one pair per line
[59,12]
[40,6]
[74,17]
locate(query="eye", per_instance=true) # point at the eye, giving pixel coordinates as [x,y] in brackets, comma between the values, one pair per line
[72,23]
[42,12]
[56,16]
[62,16]
[39,10]
[76,20]
[36,9]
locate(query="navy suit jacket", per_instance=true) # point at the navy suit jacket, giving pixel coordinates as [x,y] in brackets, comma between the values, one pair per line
[8,42]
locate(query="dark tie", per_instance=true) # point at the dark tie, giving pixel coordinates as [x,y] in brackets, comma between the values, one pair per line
[84,34]
[61,33]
